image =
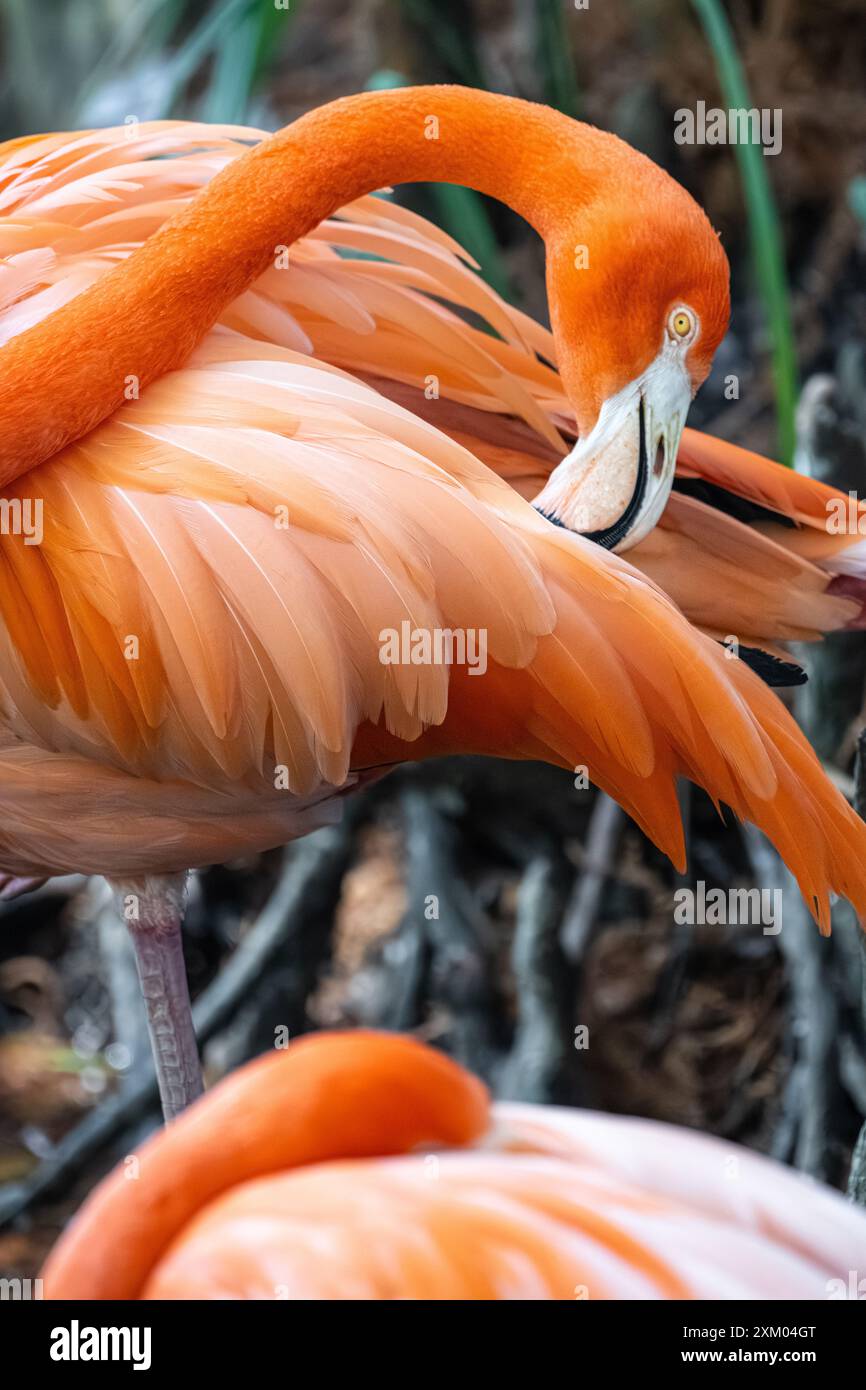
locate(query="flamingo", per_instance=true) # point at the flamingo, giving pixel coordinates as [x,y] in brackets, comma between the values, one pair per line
[300,1176]
[255,454]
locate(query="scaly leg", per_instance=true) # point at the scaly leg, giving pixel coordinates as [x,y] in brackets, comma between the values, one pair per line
[153,910]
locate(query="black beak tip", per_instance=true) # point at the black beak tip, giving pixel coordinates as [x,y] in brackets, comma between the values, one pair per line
[554,520]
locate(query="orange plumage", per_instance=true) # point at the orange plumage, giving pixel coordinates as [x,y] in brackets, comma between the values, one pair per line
[256,456]
[300,1177]
[258,646]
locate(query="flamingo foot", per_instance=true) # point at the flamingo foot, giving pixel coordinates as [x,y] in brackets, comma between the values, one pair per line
[153,910]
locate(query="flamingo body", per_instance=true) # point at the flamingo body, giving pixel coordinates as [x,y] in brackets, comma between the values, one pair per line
[249,524]
[254,1195]
[216,419]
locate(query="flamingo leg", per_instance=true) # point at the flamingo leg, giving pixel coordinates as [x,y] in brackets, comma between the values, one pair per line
[153,910]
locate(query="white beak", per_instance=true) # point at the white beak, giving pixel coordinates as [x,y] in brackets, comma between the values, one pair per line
[615,483]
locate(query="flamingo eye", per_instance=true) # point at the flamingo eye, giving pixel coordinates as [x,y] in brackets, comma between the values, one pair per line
[682,324]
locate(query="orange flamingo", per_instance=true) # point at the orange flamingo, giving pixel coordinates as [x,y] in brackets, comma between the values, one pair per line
[254,456]
[299,1177]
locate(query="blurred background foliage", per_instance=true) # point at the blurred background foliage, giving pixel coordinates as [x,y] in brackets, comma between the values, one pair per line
[794,225]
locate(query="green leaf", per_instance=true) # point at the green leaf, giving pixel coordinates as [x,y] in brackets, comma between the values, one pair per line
[764,229]
[555,57]
[857,197]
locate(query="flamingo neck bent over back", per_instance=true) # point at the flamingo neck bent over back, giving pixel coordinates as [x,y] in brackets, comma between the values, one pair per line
[636,321]
[392,1095]
[299,1177]
[578,186]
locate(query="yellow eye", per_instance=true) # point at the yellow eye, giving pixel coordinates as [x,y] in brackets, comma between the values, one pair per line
[682,323]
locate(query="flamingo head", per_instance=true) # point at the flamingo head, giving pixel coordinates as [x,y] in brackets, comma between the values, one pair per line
[639,301]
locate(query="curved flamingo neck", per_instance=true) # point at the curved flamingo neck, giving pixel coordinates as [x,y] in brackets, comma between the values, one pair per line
[62,377]
[328,1096]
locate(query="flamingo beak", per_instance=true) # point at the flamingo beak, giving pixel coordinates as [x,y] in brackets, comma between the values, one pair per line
[614,485]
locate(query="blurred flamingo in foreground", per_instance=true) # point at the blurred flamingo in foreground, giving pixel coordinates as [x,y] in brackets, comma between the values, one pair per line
[190,660]
[299,1177]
